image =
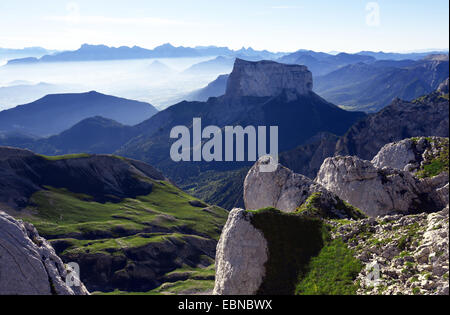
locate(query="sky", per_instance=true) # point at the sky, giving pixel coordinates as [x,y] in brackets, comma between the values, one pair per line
[276,25]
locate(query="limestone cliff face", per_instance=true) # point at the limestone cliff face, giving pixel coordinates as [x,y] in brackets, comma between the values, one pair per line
[376,191]
[386,185]
[28,263]
[385,188]
[289,192]
[268,78]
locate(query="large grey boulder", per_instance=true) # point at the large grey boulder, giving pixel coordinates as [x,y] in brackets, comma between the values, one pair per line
[410,154]
[374,190]
[241,255]
[397,155]
[29,265]
[287,191]
[282,189]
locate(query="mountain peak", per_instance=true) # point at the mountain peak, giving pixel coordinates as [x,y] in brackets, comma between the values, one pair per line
[268,78]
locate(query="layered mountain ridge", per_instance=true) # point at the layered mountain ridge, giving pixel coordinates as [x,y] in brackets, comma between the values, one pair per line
[117,211]
[55,113]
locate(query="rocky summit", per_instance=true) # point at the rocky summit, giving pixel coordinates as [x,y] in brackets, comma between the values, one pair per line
[268,78]
[372,227]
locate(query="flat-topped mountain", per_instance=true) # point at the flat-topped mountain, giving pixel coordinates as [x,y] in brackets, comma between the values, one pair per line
[55,113]
[282,97]
[268,78]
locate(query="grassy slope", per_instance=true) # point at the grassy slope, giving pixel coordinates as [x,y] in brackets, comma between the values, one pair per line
[89,227]
[198,281]
[303,259]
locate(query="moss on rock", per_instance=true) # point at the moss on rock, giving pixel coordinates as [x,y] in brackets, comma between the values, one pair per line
[293,239]
[317,205]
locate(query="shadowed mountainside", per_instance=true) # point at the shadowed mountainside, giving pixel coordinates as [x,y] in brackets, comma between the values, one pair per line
[120,212]
[55,113]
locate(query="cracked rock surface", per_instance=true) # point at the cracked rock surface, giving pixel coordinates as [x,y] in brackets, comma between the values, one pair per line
[28,263]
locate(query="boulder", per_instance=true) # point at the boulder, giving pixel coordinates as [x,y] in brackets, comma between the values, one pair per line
[29,265]
[376,191]
[289,192]
[241,254]
[282,189]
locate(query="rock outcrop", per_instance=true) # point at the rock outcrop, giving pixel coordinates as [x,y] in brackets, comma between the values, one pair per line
[403,255]
[410,154]
[268,78]
[282,189]
[443,87]
[29,265]
[289,192]
[264,252]
[409,176]
[403,245]
[376,191]
[241,255]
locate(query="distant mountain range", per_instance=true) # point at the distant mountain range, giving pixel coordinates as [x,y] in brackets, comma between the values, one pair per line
[321,63]
[365,86]
[401,56]
[372,86]
[310,128]
[285,101]
[102,52]
[92,135]
[9,53]
[55,113]
[318,62]
[425,116]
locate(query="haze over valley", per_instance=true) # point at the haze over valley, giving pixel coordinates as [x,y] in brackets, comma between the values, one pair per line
[270,147]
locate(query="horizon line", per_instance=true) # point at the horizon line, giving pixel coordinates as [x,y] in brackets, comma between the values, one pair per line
[58,50]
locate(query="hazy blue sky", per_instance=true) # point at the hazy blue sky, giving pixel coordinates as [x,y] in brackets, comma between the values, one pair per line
[277,25]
